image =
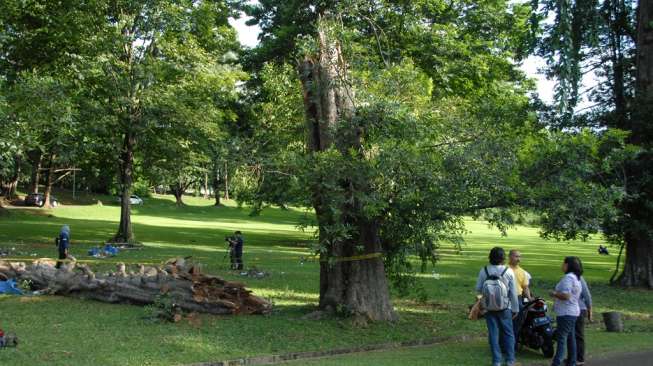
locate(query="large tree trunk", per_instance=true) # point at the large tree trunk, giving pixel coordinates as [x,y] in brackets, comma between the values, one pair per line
[638,269]
[48,181]
[181,281]
[125,233]
[36,158]
[352,279]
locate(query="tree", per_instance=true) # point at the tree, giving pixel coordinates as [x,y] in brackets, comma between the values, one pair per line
[145,47]
[352,274]
[41,39]
[637,210]
[397,155]
[44,106]
[615,43]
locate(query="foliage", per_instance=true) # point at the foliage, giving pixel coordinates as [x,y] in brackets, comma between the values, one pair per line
[164,309]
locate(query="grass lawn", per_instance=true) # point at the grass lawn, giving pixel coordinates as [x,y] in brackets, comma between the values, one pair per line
[63,331]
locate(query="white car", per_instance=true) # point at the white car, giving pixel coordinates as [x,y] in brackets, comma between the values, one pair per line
[133,199]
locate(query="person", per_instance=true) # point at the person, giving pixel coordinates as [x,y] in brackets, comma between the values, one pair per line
[603,250]
[63,242]
[585,305]
[567,295]
[236,250]
[496,285]
[522,281]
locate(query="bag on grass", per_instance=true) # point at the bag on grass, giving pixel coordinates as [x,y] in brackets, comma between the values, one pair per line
[476,311]
[495,292]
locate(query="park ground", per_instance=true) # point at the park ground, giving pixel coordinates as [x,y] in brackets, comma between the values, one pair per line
[64,331]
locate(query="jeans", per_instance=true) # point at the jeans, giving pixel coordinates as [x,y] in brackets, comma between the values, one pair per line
[499,328]
[579,334]
[565,334]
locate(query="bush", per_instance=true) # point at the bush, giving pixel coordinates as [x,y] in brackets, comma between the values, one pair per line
[142,189]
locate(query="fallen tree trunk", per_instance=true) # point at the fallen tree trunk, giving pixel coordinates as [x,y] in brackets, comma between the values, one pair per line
[183,283]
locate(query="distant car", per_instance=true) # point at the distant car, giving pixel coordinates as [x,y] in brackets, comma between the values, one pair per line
[38,199]
[133,199]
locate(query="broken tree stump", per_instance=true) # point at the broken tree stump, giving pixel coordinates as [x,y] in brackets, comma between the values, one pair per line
[181,281]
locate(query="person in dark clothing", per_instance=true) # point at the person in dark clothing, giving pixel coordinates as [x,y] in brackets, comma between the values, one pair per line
[236,250]
[63,242]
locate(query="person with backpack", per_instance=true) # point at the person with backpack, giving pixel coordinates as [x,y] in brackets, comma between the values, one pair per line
[63,242]
[498,290]
[567,295]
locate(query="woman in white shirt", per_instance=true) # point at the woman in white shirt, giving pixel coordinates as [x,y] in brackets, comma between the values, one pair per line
[567,295]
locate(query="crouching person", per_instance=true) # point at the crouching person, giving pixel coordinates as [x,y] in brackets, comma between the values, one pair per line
[496,285]
[63,242]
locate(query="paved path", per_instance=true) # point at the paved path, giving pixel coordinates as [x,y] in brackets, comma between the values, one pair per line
[629,359]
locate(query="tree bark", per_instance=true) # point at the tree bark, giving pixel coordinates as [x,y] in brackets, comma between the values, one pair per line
[36,158]
[638,269]
[125,233]
[644,62]
[352,279]
[186,286]
[216,188]
[206,185]
[178,192]
[226,181]
[12,185]
[48,181]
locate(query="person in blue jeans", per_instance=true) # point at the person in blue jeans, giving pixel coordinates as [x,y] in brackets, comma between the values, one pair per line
[499,322]
[567,294]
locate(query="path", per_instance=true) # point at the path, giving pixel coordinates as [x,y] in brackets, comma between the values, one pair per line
[628,359]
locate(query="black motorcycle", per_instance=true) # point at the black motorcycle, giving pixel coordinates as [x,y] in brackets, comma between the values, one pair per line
[537,328]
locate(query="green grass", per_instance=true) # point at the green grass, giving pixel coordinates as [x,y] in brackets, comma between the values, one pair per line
[475,353]
[63,331]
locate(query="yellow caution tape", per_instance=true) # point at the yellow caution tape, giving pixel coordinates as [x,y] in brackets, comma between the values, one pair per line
[361,257]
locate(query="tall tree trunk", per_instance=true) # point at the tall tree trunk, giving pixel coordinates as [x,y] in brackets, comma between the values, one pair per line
[226,181]
[216,188]
[48,181]
[36,158]
[352,273]
[638,269]
[616,18]
[125,233]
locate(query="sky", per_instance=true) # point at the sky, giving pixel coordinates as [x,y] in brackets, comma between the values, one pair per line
[545,88]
